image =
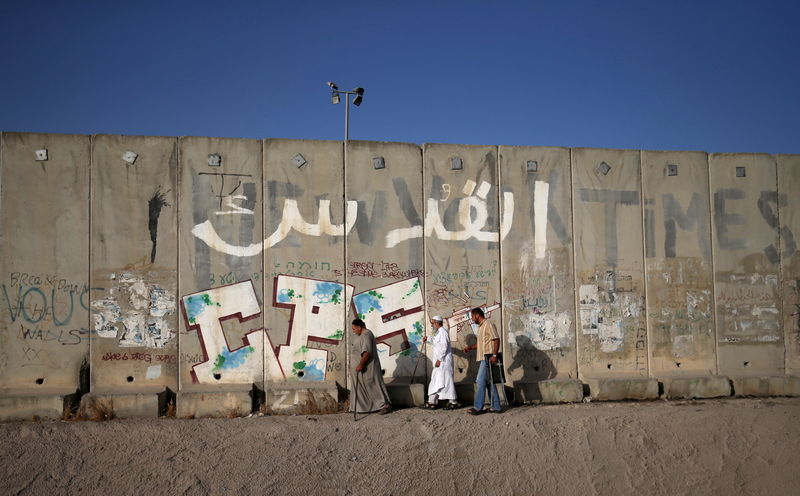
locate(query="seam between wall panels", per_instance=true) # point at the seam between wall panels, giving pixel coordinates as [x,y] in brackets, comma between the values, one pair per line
[576,293]
[348,303]
[500,256]
[426,315]
[178,223]
[713,230]
[779,243]
[89,262]
[642,200]
[262,258]
[499,186]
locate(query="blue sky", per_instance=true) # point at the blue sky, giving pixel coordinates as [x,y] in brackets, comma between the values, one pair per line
[676,75]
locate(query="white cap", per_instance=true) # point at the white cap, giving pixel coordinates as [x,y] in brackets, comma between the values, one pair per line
[438,319]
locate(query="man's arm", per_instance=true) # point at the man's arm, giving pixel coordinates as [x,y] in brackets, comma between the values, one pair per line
[363,361]
[495,349]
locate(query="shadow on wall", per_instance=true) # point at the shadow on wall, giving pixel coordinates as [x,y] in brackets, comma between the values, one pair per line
[408,360]
[536,365]
[466,363]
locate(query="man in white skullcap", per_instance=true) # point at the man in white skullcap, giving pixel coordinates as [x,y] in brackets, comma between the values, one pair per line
[441,386]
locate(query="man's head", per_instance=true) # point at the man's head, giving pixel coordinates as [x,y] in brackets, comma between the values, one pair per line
[437,322]
[477,315]
[358,326]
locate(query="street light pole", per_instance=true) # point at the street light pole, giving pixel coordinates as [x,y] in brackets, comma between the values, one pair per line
[359,96]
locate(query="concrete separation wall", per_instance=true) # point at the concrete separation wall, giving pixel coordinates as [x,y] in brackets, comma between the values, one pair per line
[746,264]
[226,271]
[677,233]
[537,265]
[44,340]
[134,263]
[609,265]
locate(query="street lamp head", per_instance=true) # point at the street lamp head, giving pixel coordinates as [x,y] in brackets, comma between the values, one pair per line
[333,86]
[359,96]
[334,97]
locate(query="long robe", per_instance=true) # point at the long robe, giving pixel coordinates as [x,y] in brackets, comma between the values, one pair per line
[442,376]
[372,394]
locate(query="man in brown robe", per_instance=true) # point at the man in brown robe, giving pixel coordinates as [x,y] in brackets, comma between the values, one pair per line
[371,391]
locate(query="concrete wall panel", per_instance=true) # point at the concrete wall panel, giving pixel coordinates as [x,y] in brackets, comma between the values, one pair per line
[134,263]
[462,229]
[609,266]
[385,258]
[746,263]
[538,279]
[304,259]
[789,215]
[680,292]
[44,317]
[220,254]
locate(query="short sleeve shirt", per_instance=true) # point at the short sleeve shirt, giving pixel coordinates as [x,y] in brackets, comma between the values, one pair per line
[487,333]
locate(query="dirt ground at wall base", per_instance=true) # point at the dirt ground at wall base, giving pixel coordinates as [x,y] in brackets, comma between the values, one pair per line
[731,446]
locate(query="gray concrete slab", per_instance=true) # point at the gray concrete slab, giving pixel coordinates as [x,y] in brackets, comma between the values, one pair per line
[622,388]
[220,252]
[130,404]
[305,397]
[781,385]
[696,387]
[44,274]
[746,264]
[385,259]
[537,265]
[406,395]
[789,217]
[306,298]
[33,407]
[677,229]
[609,262]
[550,391]
[134,263]
[229,400]
[462,242]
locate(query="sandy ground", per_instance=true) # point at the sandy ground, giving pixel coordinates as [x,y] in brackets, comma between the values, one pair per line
[743,446]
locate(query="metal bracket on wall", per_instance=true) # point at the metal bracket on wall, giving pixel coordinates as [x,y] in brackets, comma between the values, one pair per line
[130,157]
[214,160]
[299,160]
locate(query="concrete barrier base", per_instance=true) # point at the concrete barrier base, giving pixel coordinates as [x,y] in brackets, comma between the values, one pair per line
[781,385]
[234,400]
[21,406]
[465,392]
[548,391]
[405,394]
[306,397]
[696,387]
[622,388]
[142,403]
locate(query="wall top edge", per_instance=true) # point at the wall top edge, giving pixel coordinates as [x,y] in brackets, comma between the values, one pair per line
[422,146]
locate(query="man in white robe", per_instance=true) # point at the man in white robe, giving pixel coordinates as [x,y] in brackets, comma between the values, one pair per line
[441,386]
